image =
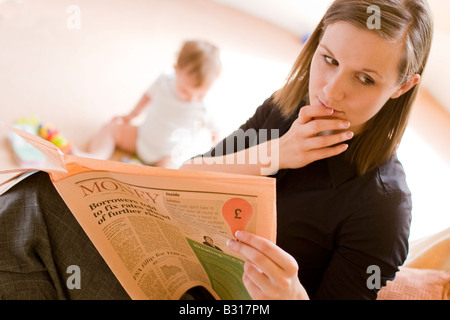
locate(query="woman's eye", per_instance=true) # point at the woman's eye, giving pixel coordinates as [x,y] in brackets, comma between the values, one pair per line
[366,80]
[331,61]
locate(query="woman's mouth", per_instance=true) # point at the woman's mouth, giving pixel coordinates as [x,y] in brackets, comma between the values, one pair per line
[335,112]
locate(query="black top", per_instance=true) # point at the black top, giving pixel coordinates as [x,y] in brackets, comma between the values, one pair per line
[340,227]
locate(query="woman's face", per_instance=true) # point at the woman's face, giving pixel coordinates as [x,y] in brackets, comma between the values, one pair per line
[355,72]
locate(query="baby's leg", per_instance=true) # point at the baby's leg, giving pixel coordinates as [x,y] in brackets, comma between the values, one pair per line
[113,134]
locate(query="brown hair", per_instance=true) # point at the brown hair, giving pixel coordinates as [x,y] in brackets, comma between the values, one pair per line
[406,21]
[202,58]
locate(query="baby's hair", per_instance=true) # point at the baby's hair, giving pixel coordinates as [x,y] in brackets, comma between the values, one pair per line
[202,60]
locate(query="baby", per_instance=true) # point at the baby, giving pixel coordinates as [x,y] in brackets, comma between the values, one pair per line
[174,107]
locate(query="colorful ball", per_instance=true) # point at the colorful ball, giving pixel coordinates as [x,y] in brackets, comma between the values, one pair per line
[61,142]
[47,131]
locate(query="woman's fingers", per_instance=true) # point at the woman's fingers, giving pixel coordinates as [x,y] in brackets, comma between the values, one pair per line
[267,256]
[317,126]
[319,142]
[252,287]
[318,130]
[269,271]
[318,119]
[258,283]
[308,113]
[265,263]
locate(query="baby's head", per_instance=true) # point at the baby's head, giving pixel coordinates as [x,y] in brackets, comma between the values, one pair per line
[197,67]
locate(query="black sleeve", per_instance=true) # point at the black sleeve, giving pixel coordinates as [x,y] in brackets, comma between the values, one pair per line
[373,239]
[262,126]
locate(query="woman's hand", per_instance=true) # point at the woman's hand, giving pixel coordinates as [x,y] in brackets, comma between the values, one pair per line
[302,144]
[269,272]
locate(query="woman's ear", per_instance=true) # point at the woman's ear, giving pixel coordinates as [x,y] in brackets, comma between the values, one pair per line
[408,85]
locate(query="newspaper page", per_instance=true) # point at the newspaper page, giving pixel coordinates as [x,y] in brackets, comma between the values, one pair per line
[14,170]
[164,231]
[161,231]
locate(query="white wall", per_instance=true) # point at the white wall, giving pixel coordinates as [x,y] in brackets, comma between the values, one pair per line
[297,16]
[436,78]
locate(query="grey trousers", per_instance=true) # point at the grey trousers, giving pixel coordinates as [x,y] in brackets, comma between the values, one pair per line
[41,242]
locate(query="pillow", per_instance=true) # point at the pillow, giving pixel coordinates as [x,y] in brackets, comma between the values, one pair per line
[417,284]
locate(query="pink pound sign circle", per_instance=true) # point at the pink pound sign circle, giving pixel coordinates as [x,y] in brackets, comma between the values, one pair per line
[237,212]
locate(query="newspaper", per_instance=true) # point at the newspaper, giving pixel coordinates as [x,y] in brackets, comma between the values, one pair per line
[162,231]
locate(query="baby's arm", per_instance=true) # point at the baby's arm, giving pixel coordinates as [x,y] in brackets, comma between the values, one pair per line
[137,109]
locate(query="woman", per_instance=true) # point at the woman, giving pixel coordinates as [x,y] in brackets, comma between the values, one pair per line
[343,205]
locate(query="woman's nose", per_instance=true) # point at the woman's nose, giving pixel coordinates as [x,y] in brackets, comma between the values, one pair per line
[335,87]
